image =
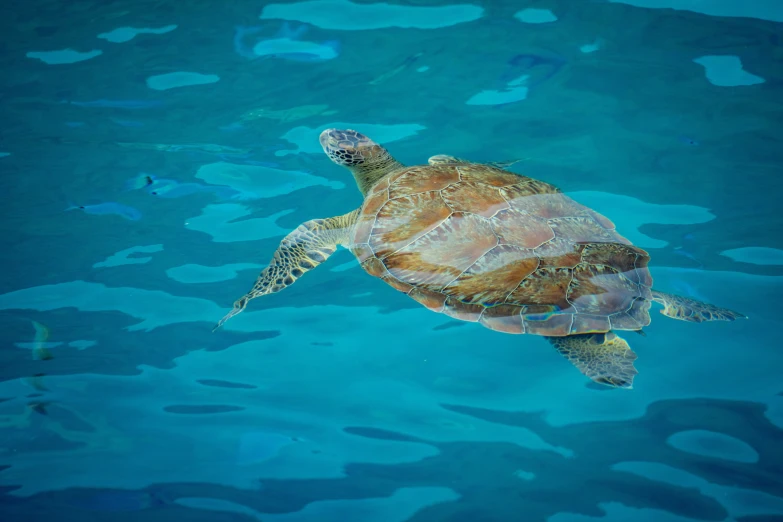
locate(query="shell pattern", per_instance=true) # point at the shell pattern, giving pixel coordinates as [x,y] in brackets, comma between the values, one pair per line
[513,253]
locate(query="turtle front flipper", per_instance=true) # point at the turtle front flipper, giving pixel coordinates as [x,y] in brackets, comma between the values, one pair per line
[687,309]
[300,251]
[604,357]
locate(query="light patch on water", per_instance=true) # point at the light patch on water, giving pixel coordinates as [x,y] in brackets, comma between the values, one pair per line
[82,344]
[122,257]
[4,154]
[155,308]
[762,9]
[591,47]
[219,505]
[712,444]
[162,82]
[208,274]
[287,44]
[617,512]
[755,255]
[284,46]
[423,68]
[348,16]
[257,182]
[221,221]
[516,90]
[306,138]
[524,475]
[535,16]
[36,345]
[738,502]
[126,34]
[63,56]
[629,214]
[727,71]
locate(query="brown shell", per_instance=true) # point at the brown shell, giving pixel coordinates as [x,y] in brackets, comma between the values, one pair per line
[515,254]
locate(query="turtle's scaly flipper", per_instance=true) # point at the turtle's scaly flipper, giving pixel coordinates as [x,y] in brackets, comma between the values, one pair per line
[303,249]
[687,309]
[605,358]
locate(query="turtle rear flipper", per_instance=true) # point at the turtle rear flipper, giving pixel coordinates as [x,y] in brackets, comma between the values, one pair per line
[604,357]
[687,309]
[300,251]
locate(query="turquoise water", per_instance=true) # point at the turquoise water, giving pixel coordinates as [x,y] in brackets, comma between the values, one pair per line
[188,132]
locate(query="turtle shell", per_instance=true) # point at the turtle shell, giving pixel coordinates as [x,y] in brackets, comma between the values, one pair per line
[513,253]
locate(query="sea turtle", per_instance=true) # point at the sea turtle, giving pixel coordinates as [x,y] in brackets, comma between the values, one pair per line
[483,244]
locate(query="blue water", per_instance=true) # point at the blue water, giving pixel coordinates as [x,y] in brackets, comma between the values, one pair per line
[153,155]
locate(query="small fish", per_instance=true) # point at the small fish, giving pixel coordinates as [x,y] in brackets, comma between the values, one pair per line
[140,181]
[687,140]
[118,209]
[684,253]
[36,381]
[410,60]
[170,189]
[39,407]
[40,352]
[686,289]
[287,115]
[258,446]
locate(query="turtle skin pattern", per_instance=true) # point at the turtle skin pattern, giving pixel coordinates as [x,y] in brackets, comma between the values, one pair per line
[515,254]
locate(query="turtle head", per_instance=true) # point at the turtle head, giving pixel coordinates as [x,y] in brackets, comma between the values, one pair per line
[368,161]
[350,148]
